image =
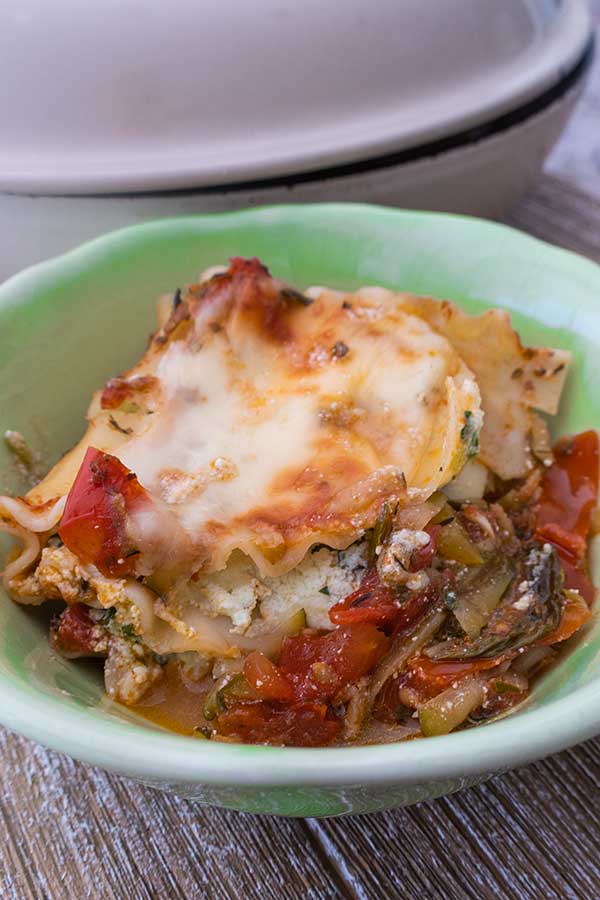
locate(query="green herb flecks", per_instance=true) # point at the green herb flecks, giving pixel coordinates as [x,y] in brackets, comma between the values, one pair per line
[130,406]
[213,705]
[107,615]
[469,434]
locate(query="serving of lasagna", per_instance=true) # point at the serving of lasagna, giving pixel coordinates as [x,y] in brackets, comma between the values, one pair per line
[315,518]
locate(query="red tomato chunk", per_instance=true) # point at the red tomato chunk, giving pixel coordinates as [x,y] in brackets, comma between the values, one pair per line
[75,634]
[320,665]
[93,523]
[296,725]
[370,602]
[265,678]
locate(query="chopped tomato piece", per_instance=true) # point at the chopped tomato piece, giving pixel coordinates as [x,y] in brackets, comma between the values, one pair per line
[376,604]
[319,665]
[296,725]
[570,541]
[93,523]
[423,679]
[266,679]
[430,676]
[75,634]
[370,602]
[575,614]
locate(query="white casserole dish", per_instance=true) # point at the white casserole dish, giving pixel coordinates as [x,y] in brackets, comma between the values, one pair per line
[108,110]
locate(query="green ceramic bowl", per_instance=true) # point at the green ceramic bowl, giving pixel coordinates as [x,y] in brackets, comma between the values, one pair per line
[68,324]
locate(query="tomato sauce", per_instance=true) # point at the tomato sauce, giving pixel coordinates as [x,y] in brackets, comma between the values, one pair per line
[565,511]
[570,486]
[287,702]
[175,702]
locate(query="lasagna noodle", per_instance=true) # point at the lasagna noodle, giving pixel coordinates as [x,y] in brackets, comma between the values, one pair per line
[263,424]
[514,380]
[28,524]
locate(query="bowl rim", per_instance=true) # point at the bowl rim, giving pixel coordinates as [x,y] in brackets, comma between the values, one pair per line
[159,755]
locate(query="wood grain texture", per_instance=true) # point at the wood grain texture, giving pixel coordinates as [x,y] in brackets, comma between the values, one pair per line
[72,831]
[530,834]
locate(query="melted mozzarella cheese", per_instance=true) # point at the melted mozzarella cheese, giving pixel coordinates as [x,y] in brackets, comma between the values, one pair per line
[276,425]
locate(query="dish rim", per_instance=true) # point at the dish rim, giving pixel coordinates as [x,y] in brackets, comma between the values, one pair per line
[163,756]
[554,53]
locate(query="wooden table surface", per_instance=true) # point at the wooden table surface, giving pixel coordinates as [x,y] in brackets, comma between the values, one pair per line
[72,831]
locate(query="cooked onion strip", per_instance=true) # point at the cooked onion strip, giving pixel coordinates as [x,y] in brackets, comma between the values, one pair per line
[480,597]
[384,733]
[403,648]
[532,659]
[448,710]
[418,515]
